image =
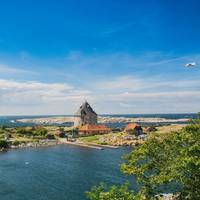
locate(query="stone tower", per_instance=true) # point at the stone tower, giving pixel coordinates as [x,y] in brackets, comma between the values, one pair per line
[85,115]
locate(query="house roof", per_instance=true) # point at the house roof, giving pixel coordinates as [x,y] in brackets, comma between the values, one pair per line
[85,107]
[131,126]
[93,127]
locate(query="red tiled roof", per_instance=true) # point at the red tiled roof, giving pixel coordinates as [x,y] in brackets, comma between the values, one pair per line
[131,126]
[93,127]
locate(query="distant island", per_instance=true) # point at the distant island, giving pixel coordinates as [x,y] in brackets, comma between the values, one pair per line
[101,119]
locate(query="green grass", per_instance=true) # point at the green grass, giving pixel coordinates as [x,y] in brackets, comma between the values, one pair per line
[96,138]
[93,138]
[27,134]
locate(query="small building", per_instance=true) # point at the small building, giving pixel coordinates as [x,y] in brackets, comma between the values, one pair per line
[85,115]
[92,129]
[133,128]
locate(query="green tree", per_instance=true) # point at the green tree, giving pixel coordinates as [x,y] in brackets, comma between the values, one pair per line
[114,193]
[3,127]
[3,144]
[23,131]
[171,161]
[61,129]
[41,131]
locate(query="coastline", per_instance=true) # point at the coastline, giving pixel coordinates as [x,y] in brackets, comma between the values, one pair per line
[109,140]
[102,120]
[57,142]
[31,145]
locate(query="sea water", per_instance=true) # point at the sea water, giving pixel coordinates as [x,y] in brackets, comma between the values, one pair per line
[61,172]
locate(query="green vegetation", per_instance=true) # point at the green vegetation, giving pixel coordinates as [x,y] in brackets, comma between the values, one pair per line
[3,144]
[113,193]
[15,142]
[91,139]
[99,139]
[22,135]
[164,161]
[3,127]
[51,137]
[39,131]
[5,133]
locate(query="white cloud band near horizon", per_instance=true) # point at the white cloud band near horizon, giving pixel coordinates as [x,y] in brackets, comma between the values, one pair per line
[31,97]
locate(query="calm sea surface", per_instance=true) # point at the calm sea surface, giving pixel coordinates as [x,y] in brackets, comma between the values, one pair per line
[59,172]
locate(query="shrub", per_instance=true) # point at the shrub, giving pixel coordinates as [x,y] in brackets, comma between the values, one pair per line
[24,131]
[50,137]
[3,144]
[3,127]
[15,143]
[40,131]
[61,129]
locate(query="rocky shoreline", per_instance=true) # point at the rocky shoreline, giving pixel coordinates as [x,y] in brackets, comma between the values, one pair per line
[41,143]
[56,142]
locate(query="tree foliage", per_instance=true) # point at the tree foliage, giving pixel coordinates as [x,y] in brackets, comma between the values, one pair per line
[114,192]
[169,163]
[3,144]
[39,131]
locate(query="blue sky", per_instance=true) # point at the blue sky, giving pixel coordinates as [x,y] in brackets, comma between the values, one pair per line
[122,56]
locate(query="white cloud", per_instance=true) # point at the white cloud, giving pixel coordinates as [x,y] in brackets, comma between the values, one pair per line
[37,95]
[133,83]
[123,94]
[122,82]
[127,94]
[156,95]
[32,86]
[12,70]
[126,105]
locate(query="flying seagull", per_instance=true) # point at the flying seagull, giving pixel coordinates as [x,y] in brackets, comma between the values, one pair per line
[192,64]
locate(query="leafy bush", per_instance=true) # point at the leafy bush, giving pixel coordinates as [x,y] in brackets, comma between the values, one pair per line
[61,129]
[3,144]
[3,127]
[23,131]
[15,143]
[50,136]
[113,193]
[40,131]
[2,137]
